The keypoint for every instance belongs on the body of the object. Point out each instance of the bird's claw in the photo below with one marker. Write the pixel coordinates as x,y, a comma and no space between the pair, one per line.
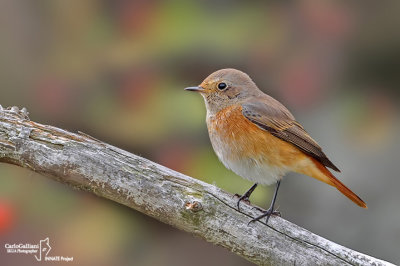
243,198
267,214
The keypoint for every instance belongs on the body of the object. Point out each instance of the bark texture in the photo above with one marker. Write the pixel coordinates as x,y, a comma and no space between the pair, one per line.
171,197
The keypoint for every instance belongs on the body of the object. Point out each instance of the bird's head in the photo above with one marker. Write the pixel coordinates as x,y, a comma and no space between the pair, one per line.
224,88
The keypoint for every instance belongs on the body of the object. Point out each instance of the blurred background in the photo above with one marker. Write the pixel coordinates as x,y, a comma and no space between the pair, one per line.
116,70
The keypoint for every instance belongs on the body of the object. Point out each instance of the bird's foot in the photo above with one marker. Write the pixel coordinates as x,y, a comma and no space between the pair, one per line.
266,213
244,198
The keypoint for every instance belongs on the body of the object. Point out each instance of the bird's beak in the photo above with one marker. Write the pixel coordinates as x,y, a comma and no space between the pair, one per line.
197,89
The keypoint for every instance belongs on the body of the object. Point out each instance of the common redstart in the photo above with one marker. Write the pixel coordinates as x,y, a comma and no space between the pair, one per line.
257,137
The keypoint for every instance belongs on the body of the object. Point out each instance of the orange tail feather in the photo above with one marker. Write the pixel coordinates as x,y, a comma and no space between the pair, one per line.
339,185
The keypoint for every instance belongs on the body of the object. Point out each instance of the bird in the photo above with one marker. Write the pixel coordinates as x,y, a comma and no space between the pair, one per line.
258,138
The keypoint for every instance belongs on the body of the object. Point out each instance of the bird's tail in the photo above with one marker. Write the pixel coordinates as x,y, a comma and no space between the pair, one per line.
326,176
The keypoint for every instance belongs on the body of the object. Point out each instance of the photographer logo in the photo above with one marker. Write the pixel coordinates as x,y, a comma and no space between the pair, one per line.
40,251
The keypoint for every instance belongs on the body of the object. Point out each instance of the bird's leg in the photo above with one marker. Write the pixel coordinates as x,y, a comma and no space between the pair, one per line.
270,210
246,195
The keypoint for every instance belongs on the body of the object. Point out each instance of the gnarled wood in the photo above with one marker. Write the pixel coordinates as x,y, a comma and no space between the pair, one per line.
171,197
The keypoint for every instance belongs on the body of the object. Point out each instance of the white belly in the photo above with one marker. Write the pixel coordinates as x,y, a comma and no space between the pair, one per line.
257,170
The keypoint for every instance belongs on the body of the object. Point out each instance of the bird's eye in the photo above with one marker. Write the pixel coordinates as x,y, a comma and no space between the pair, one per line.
222,86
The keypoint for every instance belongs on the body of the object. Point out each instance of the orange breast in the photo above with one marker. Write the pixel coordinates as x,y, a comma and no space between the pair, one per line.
229,129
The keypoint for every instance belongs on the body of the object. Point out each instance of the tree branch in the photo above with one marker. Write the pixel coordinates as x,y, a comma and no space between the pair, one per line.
171,197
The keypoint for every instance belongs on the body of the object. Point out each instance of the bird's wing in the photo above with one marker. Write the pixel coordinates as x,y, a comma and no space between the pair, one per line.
273,117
